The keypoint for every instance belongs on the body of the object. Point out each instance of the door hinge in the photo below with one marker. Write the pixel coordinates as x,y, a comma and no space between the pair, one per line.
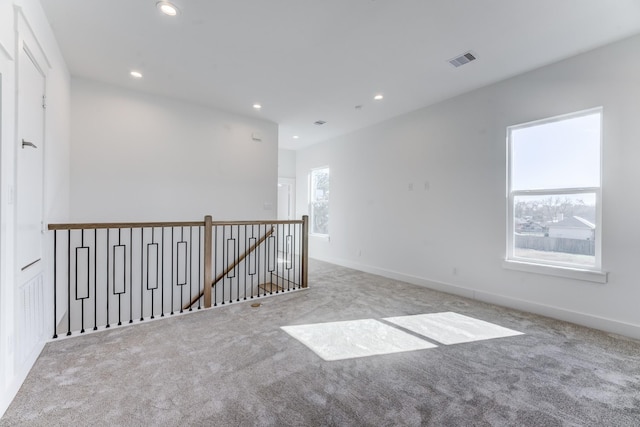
44,101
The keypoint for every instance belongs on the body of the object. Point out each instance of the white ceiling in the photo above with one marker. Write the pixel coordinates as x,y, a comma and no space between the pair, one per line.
309,60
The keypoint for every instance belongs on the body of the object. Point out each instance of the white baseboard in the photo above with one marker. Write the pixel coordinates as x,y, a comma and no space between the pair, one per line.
596,322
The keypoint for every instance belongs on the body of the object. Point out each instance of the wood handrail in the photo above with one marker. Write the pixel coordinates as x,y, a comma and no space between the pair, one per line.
229,268
100,225
258,222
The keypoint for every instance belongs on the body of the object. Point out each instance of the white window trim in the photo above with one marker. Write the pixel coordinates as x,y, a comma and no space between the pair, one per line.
309,201
512,262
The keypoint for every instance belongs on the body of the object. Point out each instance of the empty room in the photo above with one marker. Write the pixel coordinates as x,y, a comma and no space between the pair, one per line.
297,213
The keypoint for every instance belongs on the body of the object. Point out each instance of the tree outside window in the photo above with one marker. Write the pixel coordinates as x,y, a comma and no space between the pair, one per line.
319,201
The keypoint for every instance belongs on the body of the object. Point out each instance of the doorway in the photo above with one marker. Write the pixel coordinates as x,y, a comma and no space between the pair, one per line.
286,198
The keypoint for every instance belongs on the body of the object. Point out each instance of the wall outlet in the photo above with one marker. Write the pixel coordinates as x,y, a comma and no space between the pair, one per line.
411,186
454,271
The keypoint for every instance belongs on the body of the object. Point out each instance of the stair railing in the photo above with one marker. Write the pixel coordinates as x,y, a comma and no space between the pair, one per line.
231,267
114,273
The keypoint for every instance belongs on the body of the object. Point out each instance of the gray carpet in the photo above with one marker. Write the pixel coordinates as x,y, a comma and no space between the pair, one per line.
234,366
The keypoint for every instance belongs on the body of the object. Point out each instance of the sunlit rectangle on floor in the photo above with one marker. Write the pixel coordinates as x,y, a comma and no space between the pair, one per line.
355,338
451,328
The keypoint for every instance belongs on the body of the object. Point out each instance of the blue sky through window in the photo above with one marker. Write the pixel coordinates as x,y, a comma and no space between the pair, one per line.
557,154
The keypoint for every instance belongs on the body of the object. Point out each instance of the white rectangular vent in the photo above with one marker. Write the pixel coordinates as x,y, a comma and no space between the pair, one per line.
462,59
319,122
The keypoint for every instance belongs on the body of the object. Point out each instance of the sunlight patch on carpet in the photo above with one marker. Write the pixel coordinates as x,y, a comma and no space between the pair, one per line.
451,328
355,338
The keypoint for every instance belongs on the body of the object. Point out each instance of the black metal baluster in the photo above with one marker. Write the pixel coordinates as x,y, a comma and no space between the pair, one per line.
95,279
181,287
266,259
236,265
114,278
190,266
199,264
153,238
246,248
258,254
69,283
233,262
231,253
162,276
107,326
172,261
82,299
215,266
275,259
55,284
130,275
142,274
293,256
289,243
282,241
225,255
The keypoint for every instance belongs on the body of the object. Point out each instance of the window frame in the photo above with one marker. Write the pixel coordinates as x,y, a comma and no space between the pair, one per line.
591,273
311,200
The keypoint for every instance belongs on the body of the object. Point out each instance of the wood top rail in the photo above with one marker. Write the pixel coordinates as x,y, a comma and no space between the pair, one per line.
91,226
258,222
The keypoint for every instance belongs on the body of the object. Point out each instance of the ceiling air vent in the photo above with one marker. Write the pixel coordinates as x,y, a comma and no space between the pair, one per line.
465,58
319,122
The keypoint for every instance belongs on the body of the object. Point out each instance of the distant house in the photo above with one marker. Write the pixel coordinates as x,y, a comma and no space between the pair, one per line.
574,227
527,226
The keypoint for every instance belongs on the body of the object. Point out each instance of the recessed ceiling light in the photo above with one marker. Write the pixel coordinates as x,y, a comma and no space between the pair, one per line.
136,74
378,97
257,106
295,137
167,8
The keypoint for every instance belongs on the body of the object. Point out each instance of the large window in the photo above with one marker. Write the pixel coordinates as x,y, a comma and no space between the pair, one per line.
319,201
554,191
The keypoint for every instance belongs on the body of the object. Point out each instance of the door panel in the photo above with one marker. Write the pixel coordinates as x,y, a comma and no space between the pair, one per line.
29,185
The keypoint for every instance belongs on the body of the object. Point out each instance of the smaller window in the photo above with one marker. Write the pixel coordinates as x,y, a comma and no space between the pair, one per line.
554,191
319,201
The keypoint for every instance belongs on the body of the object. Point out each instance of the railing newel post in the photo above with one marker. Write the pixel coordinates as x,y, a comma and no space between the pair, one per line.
305,251
208,277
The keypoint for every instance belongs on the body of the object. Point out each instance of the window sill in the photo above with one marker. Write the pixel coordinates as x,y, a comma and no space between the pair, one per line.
551,270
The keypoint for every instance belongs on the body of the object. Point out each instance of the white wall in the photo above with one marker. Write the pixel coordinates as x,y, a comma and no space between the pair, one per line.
139,157
34,26
454,155
286,163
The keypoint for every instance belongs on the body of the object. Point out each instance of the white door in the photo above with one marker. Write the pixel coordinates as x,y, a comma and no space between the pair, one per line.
286,198
29,185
